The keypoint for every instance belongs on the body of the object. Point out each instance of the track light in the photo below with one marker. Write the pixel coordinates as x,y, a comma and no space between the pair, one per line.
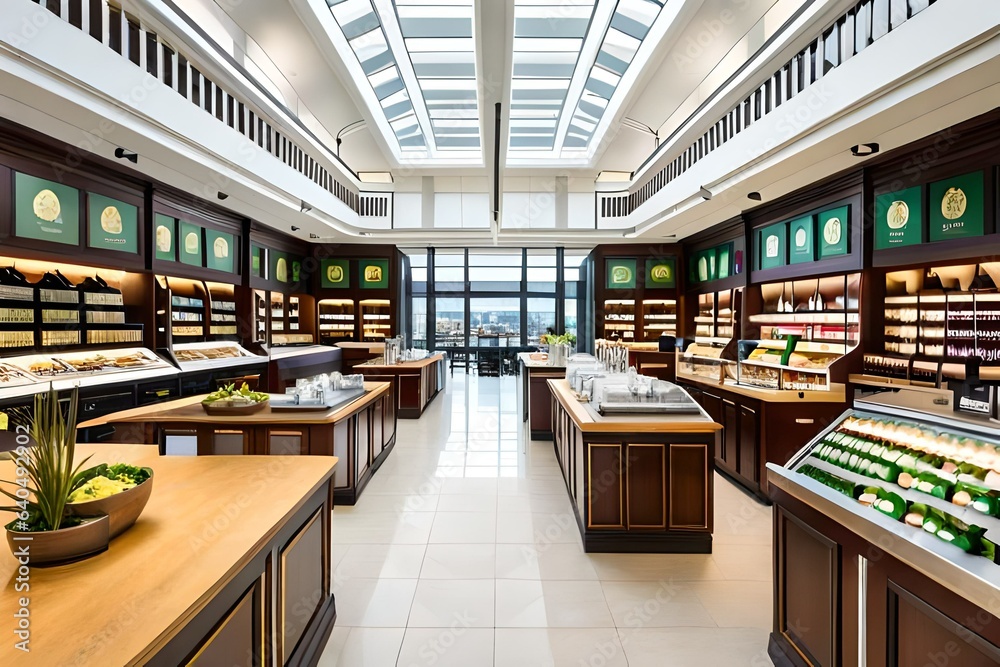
864,150
755,196
705,193
313,236
305,208
295,229
123,154
222,196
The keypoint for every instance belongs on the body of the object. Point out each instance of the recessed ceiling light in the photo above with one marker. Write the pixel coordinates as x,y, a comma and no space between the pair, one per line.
754,196
864,150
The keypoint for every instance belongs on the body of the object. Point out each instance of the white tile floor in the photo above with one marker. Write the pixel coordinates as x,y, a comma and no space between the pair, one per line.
463,552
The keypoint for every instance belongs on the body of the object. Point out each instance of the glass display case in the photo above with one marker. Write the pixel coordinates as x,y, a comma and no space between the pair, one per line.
806,327
659,316
935,476
292,319
213,354
705,362
336,320
619,318
222,300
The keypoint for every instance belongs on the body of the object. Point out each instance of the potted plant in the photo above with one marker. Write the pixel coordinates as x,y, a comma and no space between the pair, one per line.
42,529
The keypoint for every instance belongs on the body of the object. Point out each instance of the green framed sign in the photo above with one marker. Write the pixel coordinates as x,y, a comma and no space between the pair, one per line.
620,273
802,241
257,261
220,251
189,240
772,246
374,273
165,237
834,229
724,261
45,210
112,224
661,272
899,218
280,266
335,273
957,207
296,270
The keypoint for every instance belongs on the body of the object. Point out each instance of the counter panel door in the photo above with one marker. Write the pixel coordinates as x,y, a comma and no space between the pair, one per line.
362,445
303,584
647,486
285,440
730,435
228,442
749,445
605,492
690,487
239,633
807,589
342,448
378,428
578,460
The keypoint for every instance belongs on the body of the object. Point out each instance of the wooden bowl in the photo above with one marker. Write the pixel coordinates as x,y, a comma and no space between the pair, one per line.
122,508
228,410
65,545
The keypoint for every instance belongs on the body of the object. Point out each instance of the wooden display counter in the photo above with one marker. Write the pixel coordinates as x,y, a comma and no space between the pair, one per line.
638,483
228,564
536,397
761,426
361,434
416,383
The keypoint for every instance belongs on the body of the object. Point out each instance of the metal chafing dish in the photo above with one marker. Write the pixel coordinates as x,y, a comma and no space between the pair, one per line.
636,394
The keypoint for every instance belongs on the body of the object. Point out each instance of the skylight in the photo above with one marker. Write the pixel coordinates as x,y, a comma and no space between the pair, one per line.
570,59
419,57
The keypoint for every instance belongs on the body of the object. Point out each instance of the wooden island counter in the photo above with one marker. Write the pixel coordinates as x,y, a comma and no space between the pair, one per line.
537,399
638,483
228,564
415,383
361,433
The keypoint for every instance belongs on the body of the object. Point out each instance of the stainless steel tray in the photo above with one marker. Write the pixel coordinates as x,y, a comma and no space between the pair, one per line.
336,399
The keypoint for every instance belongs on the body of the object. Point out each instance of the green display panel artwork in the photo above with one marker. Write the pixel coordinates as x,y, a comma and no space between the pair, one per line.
165,237
281,269
957,207
374,273
802,242
704,263
220,250
335,273
661,272
834,229
257,261
189,238
112,224
724,253
771,246
899,218
46,211
296,270
620,273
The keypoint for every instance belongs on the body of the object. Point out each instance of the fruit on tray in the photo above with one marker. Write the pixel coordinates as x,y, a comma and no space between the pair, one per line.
230,395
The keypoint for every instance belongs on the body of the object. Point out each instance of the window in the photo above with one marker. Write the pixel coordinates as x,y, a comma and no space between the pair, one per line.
541,319
542,271
494,322
449,325
419,322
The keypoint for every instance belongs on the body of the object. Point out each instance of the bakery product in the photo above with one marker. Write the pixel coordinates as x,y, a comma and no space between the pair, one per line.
46,206
163,238
111,220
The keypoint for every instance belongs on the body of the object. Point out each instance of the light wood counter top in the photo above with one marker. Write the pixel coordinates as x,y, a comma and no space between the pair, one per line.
638,423
405,365
526,359
837,393
206,518
189,409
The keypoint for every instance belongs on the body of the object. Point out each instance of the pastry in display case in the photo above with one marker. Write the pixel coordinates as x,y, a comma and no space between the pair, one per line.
705,362
90,368
217,354
770,368
934,475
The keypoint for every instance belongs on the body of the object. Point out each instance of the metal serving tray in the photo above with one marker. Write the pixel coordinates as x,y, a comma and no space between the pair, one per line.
335,399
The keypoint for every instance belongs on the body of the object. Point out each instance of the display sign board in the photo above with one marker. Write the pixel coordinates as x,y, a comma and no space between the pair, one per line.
45,210
165,238
802,244
957,207
375,273
772,246
833,229
724,261
280,266
257,261
899,218
112,224
661,272
189,239
335,273
220,251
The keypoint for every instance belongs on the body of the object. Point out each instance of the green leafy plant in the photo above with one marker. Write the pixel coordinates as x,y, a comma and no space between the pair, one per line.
561,339
49,467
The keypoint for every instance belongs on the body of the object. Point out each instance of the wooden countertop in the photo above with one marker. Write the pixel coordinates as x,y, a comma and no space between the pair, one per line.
354,345
837,393
189,410
403,365
123,605
591,423
526,359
